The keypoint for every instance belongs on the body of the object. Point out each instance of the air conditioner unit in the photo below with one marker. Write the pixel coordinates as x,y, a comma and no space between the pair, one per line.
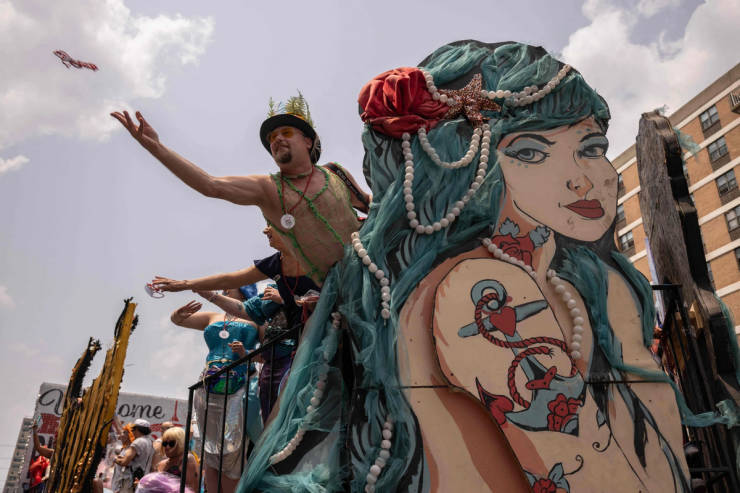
735,101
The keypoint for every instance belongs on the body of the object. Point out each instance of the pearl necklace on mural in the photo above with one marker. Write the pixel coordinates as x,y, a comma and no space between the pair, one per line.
318,393
501,255
529,94
408,192
574,348
460,163
383,456
436,95
385,290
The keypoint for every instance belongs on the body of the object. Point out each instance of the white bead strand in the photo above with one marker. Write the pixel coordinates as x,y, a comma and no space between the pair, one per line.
499,254
318,393
383,456
385,290
460,163
529,94
408,191
574,348
436,95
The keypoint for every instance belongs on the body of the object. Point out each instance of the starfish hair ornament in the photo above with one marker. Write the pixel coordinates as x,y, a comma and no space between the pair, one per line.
469,101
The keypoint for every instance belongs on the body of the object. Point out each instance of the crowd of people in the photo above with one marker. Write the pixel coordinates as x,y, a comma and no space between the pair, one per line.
133,461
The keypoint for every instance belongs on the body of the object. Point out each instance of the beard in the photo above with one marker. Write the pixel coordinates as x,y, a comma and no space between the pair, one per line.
283,156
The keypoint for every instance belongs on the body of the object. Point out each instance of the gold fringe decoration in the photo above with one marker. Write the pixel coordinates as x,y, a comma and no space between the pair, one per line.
85,422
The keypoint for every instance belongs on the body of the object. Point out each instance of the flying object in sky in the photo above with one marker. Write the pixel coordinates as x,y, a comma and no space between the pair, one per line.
68,60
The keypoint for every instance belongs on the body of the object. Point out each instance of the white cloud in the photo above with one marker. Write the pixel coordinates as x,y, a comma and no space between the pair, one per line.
39,96
636,78
6,301
13,163
649,8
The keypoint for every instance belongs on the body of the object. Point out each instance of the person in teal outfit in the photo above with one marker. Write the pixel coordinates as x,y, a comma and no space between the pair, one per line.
228,338
269,311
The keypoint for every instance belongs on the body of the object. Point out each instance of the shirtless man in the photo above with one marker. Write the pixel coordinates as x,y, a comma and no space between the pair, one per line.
312,207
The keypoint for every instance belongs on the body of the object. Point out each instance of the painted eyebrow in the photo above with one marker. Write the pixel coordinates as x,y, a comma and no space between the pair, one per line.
593,134
531,136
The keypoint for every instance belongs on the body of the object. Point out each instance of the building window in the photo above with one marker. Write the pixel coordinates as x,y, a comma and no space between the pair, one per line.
726,183
686,174
709,118
626,242
711,276
620,184
733,218
737,257
717,149
620,213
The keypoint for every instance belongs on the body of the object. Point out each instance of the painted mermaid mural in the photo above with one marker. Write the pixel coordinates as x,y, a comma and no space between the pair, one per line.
492,338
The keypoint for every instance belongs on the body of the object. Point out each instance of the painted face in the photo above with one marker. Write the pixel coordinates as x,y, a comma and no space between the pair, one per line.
561,178
286,143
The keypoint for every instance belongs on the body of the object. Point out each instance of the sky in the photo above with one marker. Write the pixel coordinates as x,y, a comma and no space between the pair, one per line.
87,217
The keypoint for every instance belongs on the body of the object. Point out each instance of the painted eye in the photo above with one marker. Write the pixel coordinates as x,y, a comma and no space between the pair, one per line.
528,155
593,151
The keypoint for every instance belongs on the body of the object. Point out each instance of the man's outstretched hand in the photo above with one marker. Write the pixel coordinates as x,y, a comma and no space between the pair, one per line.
165,284
143,132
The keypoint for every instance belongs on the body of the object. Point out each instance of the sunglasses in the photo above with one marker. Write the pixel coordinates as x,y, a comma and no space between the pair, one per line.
285,132
169,443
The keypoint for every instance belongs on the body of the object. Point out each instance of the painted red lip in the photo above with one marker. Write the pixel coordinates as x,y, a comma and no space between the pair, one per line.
590,209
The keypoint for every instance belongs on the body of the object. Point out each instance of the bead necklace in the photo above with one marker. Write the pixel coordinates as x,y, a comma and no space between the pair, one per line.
299,175
318,393
287,220
408,192
529,94
383,456
577,320
385,290
526,96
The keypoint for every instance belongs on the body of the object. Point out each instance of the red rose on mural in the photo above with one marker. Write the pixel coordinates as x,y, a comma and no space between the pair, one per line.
544,485
398,101
520,248
562,410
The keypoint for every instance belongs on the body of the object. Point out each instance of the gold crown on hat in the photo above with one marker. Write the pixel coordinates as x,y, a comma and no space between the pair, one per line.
295,105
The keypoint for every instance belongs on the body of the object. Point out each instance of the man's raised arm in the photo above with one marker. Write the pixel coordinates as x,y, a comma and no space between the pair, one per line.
242,190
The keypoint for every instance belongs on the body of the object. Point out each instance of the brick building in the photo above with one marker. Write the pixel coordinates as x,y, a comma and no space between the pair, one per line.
711,119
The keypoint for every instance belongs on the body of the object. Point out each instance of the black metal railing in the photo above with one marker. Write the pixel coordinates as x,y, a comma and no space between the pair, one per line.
267,347
708,450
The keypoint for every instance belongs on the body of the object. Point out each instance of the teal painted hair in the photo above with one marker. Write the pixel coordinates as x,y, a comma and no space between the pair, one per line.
407,258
